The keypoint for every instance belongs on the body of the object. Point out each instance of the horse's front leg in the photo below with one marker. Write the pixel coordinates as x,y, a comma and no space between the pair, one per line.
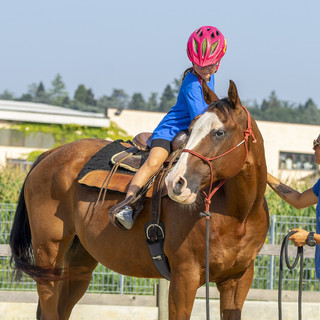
233,293
182,292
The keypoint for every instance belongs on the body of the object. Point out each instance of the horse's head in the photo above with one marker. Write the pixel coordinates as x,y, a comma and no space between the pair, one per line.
217,147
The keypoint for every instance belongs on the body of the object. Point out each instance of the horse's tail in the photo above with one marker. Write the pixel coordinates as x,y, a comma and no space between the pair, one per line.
20,239
22,258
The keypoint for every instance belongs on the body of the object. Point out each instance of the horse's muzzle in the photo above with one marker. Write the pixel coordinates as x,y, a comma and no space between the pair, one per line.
178,190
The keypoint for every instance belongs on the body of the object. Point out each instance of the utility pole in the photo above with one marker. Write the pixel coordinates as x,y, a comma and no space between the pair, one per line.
163,290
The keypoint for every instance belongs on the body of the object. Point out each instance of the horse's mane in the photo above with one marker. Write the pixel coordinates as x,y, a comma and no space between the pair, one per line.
224,106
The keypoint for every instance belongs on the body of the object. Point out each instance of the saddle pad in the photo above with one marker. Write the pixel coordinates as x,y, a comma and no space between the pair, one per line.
119,182
96,170
102,159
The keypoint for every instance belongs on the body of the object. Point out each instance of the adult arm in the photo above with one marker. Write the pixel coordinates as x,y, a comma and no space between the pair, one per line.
295,198
300,237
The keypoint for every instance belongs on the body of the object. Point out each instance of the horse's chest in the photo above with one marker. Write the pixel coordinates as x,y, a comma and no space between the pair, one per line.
233,259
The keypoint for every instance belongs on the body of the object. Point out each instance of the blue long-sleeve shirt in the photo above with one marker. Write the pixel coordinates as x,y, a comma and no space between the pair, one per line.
190,103
316,190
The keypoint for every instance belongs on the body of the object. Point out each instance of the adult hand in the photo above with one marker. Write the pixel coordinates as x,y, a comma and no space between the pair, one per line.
300,237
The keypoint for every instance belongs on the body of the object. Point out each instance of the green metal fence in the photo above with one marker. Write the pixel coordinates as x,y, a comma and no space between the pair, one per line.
107,281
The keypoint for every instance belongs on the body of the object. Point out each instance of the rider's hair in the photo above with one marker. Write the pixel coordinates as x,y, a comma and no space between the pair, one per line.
186,72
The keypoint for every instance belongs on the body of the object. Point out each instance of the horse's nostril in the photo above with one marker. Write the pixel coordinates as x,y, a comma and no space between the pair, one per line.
178,186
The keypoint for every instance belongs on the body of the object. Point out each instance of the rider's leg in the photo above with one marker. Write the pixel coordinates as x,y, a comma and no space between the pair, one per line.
153,163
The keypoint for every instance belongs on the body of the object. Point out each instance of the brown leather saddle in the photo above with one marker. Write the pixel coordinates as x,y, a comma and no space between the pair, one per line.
130,159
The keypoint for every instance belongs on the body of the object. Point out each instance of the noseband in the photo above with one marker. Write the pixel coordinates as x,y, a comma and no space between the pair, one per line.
247,133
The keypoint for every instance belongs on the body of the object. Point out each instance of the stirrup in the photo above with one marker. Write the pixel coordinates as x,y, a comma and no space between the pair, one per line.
130,201
124,217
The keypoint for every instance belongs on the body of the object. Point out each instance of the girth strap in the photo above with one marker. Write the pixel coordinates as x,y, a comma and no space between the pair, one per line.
154,230
156,248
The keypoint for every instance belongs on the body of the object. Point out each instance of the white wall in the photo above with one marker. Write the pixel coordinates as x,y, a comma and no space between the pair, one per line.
286,137
14,153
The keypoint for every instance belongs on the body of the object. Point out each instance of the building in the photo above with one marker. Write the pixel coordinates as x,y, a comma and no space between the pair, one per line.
15,145
288,146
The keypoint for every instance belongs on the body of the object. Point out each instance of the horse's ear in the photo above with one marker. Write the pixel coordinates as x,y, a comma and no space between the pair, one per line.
233,95
193,122
208,94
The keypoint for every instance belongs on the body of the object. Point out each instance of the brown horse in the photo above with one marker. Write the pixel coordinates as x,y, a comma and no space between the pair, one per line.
57,226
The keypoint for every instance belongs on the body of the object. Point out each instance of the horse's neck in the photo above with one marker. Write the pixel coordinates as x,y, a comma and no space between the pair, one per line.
247,188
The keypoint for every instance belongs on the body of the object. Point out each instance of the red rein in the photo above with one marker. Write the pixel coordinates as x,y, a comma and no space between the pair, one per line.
247,133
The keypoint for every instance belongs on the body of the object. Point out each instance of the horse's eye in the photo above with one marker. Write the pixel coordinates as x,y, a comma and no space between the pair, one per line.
219,134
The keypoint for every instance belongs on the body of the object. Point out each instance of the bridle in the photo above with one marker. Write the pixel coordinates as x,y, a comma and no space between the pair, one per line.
247,133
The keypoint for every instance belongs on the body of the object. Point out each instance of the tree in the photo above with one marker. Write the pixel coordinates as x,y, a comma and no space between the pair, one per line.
90,98
65,102
309,113
32,89
102,102
58,91
7,95
137,102
81,94
271,104
26,97
168,99
118,99
152,103
58,86
274,109
40,89
30,95
41,94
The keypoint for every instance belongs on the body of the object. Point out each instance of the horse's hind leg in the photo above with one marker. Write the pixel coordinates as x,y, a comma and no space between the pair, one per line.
57,298
233,293
46,254
71,291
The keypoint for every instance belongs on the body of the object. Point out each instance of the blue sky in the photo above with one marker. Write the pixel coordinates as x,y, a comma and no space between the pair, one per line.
140,46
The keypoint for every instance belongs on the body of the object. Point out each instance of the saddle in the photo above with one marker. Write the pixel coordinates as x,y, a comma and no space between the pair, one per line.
112,168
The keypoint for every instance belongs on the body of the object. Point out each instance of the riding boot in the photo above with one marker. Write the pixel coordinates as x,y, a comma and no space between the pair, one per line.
124,217
123,214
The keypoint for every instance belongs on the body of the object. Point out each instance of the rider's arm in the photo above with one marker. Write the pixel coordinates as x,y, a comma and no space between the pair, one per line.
293,197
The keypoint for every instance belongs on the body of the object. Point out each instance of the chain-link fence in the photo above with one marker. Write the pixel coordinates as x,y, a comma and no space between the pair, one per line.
267,267
107,281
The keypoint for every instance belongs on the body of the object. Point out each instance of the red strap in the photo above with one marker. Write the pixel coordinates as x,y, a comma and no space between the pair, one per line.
247,133
207,200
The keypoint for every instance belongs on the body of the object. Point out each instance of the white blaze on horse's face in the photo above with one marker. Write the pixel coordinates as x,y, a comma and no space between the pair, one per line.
176,183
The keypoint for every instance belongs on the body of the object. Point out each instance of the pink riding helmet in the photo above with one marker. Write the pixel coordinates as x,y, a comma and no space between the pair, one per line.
206,46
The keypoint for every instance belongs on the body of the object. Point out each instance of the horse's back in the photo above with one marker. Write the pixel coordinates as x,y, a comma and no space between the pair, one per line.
69,158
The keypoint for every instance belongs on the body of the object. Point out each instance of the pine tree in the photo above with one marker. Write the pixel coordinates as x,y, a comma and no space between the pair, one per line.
90,98
41,94
137,102
57,93
81,94
152,104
